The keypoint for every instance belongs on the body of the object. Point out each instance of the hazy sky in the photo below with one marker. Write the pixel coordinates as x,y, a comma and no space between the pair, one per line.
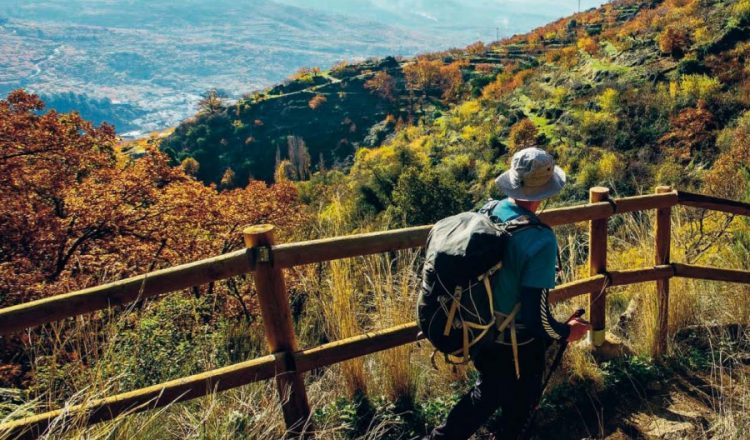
461,21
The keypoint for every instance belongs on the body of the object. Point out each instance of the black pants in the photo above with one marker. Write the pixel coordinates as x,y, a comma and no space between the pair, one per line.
497,387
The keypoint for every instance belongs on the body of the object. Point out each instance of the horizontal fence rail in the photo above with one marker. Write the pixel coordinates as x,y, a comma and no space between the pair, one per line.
314,251
711,273
713,203
125,291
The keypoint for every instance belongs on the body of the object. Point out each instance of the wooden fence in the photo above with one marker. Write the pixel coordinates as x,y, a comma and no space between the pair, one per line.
287,362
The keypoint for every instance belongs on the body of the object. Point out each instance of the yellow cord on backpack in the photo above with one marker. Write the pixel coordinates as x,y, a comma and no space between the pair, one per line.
452,312
514,345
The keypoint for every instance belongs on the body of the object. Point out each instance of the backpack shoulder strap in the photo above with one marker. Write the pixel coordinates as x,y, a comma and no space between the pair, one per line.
525,221
488,207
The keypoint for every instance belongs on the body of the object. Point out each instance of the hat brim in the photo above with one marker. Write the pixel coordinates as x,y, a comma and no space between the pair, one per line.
505,183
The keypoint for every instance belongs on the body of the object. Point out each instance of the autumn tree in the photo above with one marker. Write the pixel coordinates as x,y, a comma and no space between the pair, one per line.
305,74
227,179
76,213
212,102
432,75
730,175
316,101
190,166
691,135
522,135
588,45
422,74
608,100
674,41
383,84
505,83
477,48
451,81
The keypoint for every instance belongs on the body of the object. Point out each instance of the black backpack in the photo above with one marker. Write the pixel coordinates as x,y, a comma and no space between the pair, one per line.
455,309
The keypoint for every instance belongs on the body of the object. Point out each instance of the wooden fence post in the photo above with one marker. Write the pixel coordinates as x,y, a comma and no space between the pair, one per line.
277,321
662,243
598,265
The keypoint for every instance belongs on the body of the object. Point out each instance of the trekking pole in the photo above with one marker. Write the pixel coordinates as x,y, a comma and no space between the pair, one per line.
559,355
562,346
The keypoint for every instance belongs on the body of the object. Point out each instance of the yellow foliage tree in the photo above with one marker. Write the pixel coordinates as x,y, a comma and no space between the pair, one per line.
608,100
190,166
588,45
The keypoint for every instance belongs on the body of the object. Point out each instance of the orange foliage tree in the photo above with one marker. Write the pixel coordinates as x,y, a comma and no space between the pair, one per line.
522,135
75,213
674,41
588,44
505,83
691,136
730,174
316,101
431,75
477,48
383,84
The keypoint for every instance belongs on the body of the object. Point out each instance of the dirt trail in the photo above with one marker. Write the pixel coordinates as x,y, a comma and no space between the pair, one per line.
686,405
660,410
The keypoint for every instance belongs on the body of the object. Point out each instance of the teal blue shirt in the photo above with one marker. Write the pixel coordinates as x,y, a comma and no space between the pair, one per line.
529,260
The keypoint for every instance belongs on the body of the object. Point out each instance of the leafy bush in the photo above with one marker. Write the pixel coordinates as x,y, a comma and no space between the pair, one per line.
171,338
422,197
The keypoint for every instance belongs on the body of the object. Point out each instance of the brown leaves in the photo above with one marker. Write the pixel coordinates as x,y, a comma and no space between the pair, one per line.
674,41
432,75
730,175
73,213
316,101
522,135
691,136
383,84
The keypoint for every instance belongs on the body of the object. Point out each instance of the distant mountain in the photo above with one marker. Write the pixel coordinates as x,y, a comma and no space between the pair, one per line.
160,56
95,110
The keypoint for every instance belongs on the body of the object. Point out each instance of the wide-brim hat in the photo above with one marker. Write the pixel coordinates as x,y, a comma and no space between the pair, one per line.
532,176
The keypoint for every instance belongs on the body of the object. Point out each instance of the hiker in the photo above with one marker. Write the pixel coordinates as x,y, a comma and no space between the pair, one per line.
528,272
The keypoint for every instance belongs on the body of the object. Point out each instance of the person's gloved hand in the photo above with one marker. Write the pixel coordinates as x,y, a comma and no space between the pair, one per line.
578,329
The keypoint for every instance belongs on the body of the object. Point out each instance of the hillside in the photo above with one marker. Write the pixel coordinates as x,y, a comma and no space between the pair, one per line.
640,90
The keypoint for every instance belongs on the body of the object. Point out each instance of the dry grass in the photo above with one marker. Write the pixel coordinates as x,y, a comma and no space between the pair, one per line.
392,290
